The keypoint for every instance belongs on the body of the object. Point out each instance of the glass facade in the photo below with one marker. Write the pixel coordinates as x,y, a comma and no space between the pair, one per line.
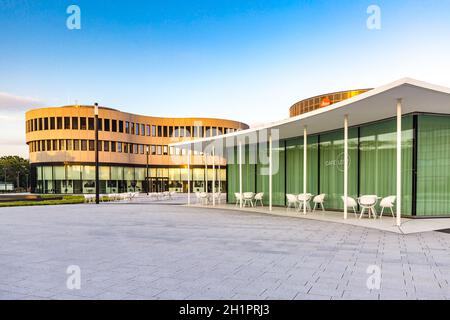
372,165
378,151
331,167
78,179
433,165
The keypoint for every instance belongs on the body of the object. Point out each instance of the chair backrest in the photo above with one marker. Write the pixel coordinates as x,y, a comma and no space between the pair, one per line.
291,197
388,201
203,194
249,195
237,195
304,197
320,198
368,200
350,201
259,196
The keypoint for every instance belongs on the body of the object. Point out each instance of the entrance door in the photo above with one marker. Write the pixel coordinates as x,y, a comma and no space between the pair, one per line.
159,184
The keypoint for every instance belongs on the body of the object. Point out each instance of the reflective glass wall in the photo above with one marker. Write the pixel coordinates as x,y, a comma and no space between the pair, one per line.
372,166
78,179
378,152
433,165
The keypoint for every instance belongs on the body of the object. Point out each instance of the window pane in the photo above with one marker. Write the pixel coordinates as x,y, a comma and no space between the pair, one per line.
91,123
67,123
59,123
83,123
107,127
88,172
331,167
74,123
83,145
433,162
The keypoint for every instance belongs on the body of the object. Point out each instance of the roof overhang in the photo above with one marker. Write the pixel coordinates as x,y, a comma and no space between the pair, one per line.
371,106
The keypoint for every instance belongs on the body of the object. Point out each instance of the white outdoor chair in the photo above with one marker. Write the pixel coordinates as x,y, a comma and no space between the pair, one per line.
197,196
302,199
216,196
351,203
259,197
387,202
368,202
318,201
88,198
238,197
291,200
204,198
248,198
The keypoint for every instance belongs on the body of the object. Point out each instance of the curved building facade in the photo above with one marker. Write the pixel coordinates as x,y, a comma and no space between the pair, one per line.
134,152
322,101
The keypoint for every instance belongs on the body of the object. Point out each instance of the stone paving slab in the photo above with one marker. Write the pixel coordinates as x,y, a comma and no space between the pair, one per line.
151,251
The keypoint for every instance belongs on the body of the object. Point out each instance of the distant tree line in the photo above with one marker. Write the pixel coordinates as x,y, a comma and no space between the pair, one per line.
17,171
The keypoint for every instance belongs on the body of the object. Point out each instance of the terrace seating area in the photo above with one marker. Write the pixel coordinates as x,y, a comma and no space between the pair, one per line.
366,203
130,196
207,198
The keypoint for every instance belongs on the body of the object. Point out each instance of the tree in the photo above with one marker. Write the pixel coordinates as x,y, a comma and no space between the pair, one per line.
17,170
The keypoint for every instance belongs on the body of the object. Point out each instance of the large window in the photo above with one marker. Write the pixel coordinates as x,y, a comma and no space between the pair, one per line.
248,171
378,165
294,165
332,167
433,165
262,173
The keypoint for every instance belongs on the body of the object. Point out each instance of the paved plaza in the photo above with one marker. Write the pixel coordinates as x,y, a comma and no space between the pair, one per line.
164,251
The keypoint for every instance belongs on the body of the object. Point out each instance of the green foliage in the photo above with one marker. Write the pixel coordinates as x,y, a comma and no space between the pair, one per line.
17,170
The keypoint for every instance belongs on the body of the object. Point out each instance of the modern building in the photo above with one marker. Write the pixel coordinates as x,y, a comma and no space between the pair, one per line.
392,140
61,143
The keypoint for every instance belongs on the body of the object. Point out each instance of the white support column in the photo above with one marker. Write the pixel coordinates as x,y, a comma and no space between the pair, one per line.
206,172
214,176
305,159
189,174
399,162
220,182
270,171
240,173
345,165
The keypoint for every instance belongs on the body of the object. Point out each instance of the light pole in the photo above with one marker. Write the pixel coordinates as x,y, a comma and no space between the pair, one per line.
97,183
147,150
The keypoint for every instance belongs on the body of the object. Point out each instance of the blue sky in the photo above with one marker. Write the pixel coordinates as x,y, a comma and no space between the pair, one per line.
244,60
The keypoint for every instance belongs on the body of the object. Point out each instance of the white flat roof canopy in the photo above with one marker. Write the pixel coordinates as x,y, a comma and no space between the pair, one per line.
371,106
